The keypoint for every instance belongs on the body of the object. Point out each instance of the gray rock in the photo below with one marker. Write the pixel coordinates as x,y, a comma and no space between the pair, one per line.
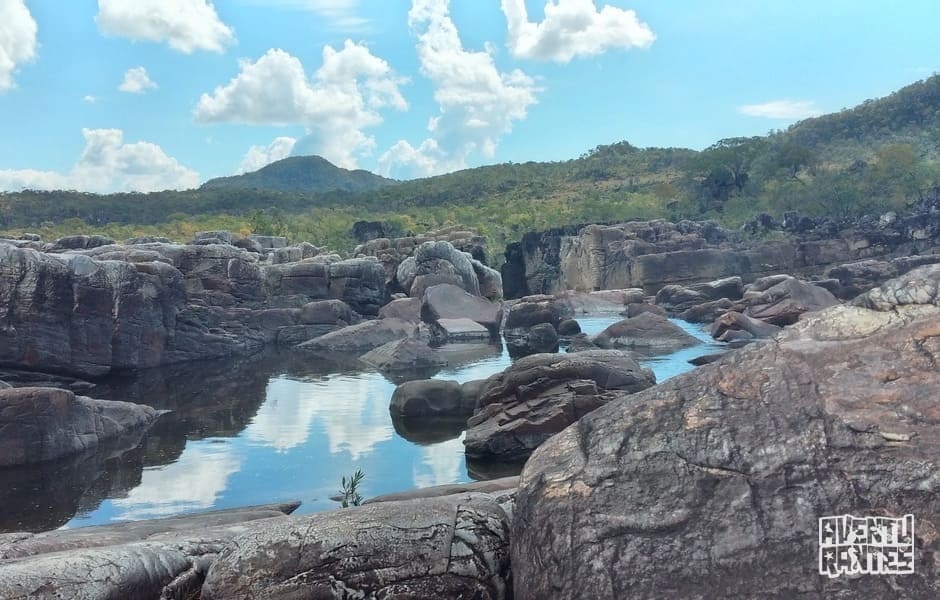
404,355
269,242
224,237
492,487
647,332
439,262
408,309
541,338
40,424
115,534
448,301
712,484
362,337
458,331
360,283
709,311
449,547
638,308
431,398
531,311
540,395
725,327
326,312
783,303
568,327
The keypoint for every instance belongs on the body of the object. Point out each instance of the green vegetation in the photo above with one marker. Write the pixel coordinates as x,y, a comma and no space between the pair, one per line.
881,155
349,493
301,174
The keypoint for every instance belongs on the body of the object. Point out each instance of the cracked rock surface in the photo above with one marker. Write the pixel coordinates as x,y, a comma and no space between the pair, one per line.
711,484
448,547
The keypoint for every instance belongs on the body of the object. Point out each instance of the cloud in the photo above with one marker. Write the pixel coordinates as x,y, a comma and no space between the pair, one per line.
478,103
782,109
345,96
17,39
186,25
341,14
259,156
136,81
90,99
107,164
193,482
573,28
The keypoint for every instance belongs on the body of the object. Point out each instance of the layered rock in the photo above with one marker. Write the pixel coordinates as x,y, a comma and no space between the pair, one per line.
90,311
540,395
652,254
447,301
712,483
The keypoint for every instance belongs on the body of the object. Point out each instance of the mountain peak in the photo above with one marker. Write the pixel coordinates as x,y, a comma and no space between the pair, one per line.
302,174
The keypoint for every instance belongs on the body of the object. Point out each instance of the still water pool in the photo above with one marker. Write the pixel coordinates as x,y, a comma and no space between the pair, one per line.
259,431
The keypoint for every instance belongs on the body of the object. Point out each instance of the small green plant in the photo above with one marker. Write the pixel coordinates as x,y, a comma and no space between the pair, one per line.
349,494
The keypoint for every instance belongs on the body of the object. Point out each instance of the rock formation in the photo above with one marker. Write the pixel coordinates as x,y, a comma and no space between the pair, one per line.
712,483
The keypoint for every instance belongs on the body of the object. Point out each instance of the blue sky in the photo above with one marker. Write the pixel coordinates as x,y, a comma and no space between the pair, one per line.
154,94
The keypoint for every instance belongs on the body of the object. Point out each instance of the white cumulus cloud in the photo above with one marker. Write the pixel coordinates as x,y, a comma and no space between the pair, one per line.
259,156
107,164
478,103
17,39
782,109
186,25
342,99
136,81
573,28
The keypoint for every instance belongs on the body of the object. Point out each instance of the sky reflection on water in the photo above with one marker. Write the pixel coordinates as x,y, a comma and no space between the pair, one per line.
309,431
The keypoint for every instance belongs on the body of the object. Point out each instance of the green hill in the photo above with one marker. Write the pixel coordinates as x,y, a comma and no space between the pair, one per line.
301,174
878,156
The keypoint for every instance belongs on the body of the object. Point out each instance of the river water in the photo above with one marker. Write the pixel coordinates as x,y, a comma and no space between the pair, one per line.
278,428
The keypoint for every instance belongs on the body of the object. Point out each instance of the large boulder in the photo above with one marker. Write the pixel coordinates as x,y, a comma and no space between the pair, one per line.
40,424
539,339
435,263
448,547
782,304
446,301
648,333
540,395
712,484
362,337
431,398
534,310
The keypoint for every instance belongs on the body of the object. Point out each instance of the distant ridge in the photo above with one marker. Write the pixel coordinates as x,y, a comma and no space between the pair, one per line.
301,174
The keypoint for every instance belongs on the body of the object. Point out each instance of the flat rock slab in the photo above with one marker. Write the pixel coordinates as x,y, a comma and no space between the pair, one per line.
18,545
